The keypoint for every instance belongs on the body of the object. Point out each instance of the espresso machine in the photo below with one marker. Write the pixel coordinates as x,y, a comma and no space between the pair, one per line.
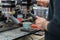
9,14
8,20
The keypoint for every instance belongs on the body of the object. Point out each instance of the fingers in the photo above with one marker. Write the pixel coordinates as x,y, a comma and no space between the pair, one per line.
40,22
37,17
46,1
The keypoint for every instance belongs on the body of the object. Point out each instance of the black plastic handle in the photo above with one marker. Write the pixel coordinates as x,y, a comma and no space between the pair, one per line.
34,16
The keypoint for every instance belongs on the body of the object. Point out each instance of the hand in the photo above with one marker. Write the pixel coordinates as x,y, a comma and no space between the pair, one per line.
45,1
41,23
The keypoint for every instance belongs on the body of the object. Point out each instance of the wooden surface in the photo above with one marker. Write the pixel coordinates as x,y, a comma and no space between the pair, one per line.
34,37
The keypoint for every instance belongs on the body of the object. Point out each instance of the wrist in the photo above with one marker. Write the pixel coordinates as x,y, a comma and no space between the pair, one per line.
46,24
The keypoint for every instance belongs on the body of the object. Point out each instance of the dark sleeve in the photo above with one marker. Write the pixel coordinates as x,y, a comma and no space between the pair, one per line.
51,11
54,25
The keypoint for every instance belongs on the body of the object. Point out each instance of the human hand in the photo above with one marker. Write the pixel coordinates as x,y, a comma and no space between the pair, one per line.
46,1
43,2
41,23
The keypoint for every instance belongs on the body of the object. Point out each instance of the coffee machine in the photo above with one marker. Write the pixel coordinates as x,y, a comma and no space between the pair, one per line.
7,15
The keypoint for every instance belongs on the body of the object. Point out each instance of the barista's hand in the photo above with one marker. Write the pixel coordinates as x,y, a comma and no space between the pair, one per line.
41,23
45,1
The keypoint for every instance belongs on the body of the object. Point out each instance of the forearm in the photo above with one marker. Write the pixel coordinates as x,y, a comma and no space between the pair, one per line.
54,26
47,22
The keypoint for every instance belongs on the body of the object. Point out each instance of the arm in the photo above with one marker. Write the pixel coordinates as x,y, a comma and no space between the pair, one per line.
54,25
51,11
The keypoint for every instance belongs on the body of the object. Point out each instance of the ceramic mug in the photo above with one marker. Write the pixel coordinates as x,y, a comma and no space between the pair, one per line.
26,25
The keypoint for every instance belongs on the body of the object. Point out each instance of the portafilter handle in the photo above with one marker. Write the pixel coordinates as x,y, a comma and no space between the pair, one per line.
32,15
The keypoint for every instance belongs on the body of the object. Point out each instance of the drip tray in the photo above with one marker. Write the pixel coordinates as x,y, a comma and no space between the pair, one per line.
7,27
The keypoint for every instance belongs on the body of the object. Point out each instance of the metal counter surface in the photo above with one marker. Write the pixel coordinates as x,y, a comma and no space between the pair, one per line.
12,34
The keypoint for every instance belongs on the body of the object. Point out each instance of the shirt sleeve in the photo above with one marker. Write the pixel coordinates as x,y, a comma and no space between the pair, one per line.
54,25
51,11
